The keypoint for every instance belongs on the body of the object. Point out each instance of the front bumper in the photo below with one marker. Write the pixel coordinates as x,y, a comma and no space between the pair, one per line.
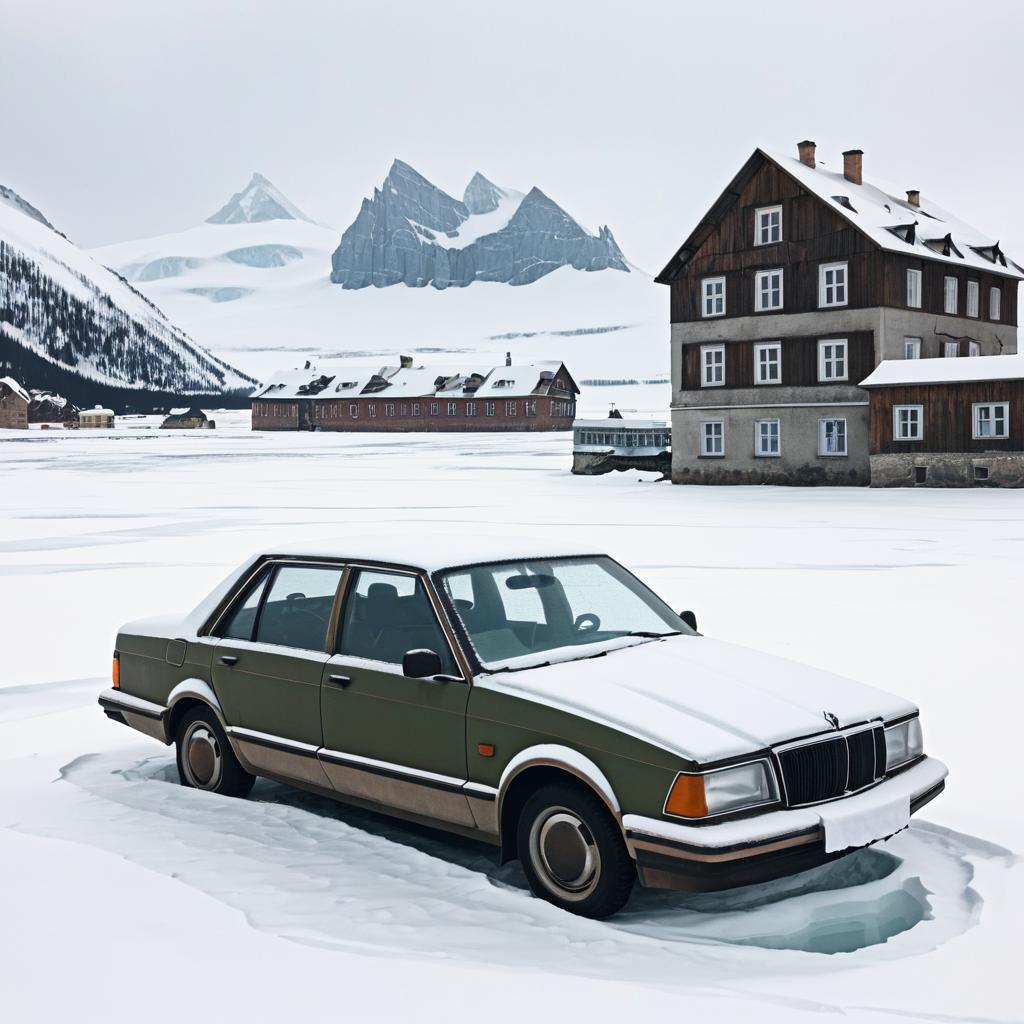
707,858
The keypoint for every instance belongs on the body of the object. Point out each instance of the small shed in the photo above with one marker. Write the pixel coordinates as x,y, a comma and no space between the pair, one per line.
97,417
602,446
187,419
14,401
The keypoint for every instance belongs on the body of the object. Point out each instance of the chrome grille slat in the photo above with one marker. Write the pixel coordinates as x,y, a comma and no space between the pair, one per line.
829,767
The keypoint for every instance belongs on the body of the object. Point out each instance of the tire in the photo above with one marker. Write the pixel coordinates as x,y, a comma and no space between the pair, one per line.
205,758
572,851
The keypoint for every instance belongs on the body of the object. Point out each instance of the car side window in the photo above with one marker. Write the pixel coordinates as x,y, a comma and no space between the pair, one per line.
297,609
242,618
388,614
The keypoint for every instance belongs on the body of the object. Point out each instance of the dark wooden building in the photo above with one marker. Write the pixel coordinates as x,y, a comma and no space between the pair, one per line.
14,403
535,397
798,281
947,423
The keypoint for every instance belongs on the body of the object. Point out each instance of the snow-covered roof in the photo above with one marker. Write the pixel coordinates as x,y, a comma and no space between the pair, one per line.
15,387
331,381
431,552
617,424
96,412
955,370
885,215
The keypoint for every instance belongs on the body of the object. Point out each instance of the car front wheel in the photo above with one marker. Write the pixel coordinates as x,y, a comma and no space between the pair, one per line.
572,851
205,758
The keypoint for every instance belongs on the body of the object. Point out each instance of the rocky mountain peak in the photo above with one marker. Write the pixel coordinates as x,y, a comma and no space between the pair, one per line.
481,195
260,200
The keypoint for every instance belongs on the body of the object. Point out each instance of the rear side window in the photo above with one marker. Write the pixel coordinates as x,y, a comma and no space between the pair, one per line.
297,608
240,622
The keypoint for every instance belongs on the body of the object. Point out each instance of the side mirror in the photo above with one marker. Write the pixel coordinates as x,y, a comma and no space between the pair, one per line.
420,664
690,619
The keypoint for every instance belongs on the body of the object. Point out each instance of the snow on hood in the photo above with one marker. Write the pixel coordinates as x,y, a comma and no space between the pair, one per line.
700,698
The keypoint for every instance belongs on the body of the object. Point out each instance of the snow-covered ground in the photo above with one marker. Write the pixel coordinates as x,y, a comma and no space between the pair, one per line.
125,896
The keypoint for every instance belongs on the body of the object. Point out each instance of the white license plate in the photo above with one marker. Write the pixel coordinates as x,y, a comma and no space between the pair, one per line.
861,820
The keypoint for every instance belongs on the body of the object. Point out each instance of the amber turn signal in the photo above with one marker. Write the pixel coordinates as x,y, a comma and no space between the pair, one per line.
485,749
686,798
115,671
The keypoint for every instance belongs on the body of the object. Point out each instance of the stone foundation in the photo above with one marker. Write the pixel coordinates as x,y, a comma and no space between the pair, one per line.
948,469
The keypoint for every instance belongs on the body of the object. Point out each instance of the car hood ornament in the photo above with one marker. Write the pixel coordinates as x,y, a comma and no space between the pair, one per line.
832,720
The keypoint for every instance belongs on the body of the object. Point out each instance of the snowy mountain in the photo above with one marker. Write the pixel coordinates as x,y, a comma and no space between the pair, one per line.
67,322
412,232
257,202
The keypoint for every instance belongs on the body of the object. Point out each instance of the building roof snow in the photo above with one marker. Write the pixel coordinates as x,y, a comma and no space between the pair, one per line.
15,387
620,424
96,412
956,370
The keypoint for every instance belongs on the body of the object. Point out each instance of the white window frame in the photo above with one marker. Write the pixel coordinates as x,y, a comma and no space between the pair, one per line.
973,298
917,423
709,299
975,420
823,286
911,348
762,214
950,295
705,451
974,348
913,289
995,302
821,437
707,379
825,362
761,275
767,346
759,450
950,349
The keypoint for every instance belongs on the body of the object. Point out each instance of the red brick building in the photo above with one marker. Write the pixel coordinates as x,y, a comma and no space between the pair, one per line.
535,396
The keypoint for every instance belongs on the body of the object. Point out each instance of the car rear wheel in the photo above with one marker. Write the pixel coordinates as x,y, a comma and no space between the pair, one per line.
205,758
572,851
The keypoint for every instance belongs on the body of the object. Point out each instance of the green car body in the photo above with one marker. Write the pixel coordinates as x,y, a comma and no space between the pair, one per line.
615,723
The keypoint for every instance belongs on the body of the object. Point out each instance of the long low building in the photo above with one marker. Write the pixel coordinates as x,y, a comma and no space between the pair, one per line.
534,396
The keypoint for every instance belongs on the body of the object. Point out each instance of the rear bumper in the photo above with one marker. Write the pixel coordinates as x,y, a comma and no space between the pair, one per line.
707,858
143,715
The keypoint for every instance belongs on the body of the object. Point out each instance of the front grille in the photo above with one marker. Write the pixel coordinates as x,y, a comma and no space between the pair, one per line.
830,767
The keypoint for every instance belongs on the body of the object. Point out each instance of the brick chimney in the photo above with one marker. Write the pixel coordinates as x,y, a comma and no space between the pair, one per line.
853,165
913,197
805,150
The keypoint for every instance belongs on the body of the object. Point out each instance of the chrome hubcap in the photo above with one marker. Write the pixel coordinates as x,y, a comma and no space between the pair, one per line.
202,758
565,853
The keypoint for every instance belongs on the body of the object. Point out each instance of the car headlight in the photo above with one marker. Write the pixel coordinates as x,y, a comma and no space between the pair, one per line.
903,743
727,789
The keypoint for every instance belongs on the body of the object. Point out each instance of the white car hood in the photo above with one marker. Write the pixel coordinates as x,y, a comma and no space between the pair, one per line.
700,698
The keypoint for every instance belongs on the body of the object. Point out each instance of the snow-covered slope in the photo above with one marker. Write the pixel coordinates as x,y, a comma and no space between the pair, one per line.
259,293
60,305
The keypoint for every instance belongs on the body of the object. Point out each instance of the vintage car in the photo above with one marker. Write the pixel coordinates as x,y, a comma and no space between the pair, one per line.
535,697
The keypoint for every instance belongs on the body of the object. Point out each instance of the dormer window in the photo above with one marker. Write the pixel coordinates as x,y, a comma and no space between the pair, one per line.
768,225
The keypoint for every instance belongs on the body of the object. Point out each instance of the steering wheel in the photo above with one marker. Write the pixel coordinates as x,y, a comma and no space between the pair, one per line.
588,622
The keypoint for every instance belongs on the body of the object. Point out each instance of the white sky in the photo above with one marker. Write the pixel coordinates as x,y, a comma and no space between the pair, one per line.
123,120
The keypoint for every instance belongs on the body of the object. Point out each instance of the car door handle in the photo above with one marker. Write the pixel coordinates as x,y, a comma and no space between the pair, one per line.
339,680
229,659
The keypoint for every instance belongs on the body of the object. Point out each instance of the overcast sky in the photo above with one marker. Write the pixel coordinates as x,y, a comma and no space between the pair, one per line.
124,119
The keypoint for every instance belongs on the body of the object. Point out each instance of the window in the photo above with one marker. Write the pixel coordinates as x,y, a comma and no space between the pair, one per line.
713,296
908,422
471,408
972,298
768,363
529,407
389,408
920,474
914,289
488,408
372,408
995,303
767,290
991,421
435,408
950,294
832,437
511,408
453,408
298,606
973,348
832,359
240,622
712,437
769,225
832,284
388,614
766,438
415,408
911,348
981,473
712,360
950,349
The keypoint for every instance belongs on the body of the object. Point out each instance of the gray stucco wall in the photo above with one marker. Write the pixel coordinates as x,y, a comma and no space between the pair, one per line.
897,324
947,469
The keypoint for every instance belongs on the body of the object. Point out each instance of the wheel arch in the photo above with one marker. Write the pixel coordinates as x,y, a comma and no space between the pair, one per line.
534,767
188,694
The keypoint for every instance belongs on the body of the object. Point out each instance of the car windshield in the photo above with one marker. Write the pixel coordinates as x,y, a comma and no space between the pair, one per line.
519,610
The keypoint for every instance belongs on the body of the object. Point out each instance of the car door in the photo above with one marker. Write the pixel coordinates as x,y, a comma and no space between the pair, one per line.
268,667
396,741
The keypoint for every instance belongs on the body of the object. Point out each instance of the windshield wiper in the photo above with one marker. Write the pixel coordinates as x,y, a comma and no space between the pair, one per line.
649,635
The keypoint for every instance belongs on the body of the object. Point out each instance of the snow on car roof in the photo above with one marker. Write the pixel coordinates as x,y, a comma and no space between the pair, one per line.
958,369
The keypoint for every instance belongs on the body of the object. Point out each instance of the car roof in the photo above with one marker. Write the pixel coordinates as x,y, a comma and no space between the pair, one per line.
430,552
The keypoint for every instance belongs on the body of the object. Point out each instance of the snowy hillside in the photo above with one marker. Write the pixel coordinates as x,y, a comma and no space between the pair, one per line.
258,293
61,308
